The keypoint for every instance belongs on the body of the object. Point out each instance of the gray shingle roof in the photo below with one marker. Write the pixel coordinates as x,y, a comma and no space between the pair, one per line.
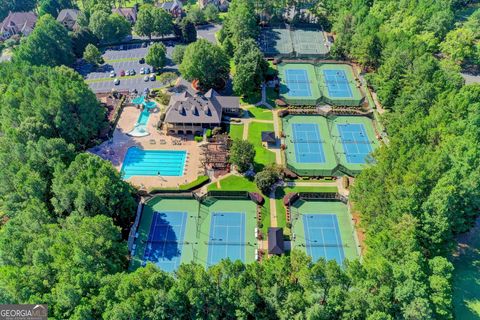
65,13
187,108
20,20
275,241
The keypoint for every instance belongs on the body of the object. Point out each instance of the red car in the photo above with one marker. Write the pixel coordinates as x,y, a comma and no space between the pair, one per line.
122,73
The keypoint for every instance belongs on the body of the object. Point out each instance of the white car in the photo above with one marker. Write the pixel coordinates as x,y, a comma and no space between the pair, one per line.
145,78
116,82
112,74
142,71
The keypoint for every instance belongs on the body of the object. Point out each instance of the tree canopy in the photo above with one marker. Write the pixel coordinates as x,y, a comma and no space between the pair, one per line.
157,55
242,153
206,62
48,44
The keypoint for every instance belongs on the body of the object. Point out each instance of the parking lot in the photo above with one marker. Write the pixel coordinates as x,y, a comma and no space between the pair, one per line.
123,58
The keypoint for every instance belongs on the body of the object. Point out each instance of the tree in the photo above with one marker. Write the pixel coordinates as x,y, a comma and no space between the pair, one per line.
251,68
92,55
145,24
266,178
178,53
206,62
188,30
48,44
53,103
459,45
80,39
242,154
163,24
210,13
196,16
109,27
157,55
91,186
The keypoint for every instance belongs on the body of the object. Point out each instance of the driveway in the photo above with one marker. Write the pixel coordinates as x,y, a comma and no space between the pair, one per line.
208,32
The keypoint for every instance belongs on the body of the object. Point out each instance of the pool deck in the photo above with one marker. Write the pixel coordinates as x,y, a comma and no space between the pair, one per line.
116,149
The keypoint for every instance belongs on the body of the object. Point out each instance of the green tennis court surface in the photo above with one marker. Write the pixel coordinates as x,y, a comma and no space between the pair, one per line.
282,42
178,230
317,146
324,230
313,84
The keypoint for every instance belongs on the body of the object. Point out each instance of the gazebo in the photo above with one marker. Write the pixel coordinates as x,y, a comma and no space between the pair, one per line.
275,241
268,137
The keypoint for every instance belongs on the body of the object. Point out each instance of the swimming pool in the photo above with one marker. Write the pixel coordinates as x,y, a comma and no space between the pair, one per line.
139,162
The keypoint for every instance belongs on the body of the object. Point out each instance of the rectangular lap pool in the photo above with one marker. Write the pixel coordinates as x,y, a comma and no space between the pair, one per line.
139,162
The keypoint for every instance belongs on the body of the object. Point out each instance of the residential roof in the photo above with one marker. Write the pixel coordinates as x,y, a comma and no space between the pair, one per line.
68,13
268,136
20,20
170,5
275,241
188,108
127,13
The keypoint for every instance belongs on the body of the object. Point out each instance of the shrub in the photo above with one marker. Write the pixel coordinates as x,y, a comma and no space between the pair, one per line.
162,98
209,133
198,138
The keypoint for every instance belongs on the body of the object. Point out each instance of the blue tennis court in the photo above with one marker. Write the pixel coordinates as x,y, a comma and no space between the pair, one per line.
165,240
337,84
297,83
227,237
322,237
355,142
308,143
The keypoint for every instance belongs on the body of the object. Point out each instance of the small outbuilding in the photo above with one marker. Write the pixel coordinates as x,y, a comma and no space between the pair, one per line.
268,137
275,241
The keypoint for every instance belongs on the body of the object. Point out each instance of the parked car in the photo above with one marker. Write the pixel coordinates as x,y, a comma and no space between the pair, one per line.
144,45
132,72
122,73
116,82
112,74
142,71
147,70
141,61
152,77
127,73
145,78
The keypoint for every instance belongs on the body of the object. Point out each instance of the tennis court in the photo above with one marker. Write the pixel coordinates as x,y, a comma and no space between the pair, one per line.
356,144
227,237
308,143
164,244
298,83
322,237
337,84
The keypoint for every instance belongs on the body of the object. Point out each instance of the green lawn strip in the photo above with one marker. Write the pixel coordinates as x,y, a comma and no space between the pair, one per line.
235,131
260,112
238,183
121,60
281,192
263,156
466,283
137,76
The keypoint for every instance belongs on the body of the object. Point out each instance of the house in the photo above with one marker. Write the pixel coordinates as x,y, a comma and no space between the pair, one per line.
222,5
21,23
68,17
128,13
191,114
275,241
175,8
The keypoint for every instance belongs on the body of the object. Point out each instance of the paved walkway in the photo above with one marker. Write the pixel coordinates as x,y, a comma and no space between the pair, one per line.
264,102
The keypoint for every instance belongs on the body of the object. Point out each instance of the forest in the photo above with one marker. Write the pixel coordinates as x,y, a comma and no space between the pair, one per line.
64,213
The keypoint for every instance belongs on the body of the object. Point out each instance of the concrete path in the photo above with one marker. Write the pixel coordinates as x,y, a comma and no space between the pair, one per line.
264,102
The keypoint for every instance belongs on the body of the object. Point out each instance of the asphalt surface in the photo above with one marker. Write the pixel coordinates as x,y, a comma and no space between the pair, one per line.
126,57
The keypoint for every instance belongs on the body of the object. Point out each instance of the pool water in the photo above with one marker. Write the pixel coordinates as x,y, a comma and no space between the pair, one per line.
138,162
143,118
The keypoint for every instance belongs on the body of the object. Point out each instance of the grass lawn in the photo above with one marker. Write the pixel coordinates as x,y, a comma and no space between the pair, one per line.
235,131
263,156
238,183
281,192
260,113
466,278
